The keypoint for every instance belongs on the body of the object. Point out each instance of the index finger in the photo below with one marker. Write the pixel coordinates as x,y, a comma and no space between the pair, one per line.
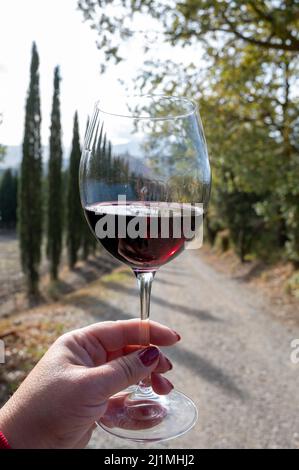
114,335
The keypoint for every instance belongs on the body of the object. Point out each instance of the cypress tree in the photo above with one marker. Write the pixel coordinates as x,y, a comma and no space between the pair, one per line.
8,199
89,242
55,207
30,192
74,209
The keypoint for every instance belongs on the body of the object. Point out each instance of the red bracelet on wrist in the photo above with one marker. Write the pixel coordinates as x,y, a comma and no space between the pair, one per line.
3,442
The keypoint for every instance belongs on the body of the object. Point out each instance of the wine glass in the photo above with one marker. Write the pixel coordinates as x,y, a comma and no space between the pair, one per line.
145,184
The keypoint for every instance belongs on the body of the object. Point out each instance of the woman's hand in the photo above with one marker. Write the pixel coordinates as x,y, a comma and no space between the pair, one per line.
69,389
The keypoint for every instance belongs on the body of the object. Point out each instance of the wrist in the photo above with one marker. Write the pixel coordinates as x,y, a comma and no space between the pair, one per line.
7,427
18,433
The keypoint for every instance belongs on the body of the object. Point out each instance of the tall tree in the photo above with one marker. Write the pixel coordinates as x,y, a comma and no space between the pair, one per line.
30,192
8,199
74,209
55,203
89,242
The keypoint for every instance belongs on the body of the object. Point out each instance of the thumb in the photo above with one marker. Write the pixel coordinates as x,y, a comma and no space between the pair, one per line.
116,375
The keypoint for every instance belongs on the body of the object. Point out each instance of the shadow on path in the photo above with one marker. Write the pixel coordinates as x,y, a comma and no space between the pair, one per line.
95,267
176,272
167,283
206,370
100,263
203,315
254,271
87,274
98,308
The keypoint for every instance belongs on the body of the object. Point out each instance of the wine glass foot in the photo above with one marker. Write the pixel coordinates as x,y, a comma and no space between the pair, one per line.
161,419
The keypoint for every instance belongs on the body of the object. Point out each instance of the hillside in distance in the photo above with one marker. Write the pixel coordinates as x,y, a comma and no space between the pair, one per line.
13,157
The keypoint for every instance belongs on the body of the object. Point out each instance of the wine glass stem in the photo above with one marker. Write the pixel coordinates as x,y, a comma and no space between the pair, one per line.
145,280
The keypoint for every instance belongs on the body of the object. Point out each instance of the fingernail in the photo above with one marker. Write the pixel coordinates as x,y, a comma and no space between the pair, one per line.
177,335
169,363
168,383
149,355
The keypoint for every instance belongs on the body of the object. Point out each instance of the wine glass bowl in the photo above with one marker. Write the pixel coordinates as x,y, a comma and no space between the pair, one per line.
145,184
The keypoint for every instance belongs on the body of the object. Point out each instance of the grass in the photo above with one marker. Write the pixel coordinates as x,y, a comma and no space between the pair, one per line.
27,338
292,285
118,275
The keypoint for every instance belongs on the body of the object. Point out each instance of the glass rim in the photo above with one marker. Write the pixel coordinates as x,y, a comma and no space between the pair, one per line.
187,101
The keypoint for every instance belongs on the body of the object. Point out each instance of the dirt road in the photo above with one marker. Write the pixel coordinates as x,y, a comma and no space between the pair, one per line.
233,360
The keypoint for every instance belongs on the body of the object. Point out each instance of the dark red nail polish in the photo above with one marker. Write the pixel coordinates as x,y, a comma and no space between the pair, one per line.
169,363
149,355
177,335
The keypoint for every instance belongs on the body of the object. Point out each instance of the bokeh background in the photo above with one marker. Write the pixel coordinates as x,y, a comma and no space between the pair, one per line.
236,301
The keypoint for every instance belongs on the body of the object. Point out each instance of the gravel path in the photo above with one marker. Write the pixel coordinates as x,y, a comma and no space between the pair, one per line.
233,360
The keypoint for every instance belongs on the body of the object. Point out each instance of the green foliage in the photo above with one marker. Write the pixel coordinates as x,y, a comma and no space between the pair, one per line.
8,200
30,184
55,196
292,286
74,209
2,152
251,125
245,227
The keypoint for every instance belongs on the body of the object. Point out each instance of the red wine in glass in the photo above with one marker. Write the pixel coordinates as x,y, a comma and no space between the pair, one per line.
143,235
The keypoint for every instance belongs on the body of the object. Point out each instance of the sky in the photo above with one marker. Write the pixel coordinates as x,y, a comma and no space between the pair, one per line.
63,39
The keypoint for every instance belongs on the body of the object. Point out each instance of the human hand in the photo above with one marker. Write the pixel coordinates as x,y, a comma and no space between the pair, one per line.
69,389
